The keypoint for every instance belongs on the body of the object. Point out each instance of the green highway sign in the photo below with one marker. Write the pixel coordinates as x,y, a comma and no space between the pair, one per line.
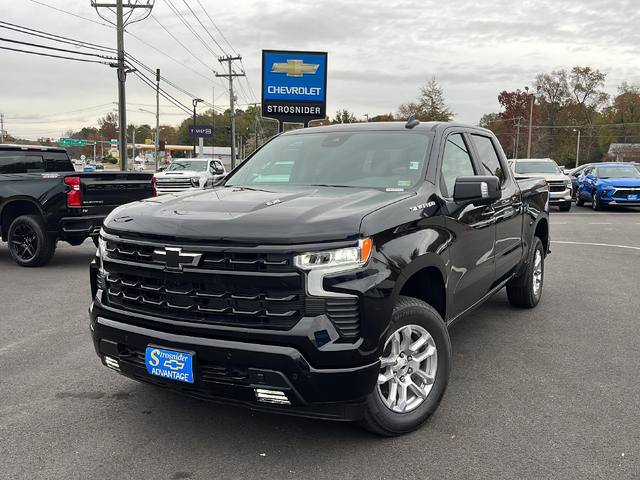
72,142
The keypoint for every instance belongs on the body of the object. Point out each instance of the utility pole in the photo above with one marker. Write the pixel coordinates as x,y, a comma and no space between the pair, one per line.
231,75
1,127
517,140
578,149
195,102
256,127
157,117
122,69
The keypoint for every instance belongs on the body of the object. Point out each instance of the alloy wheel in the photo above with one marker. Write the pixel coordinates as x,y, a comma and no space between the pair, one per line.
537,273
408,369
24,242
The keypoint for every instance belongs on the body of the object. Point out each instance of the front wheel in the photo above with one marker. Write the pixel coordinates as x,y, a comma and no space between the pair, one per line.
579,201
528,294
414,370
596,204
565,207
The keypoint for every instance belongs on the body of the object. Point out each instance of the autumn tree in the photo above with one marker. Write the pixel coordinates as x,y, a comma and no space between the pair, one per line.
430,106
109,126
344,116
386,117
621,120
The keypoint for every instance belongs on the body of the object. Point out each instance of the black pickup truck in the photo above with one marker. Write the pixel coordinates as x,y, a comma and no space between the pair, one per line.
43,200
321,276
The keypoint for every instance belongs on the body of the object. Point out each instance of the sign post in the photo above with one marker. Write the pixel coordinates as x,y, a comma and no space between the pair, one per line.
294,86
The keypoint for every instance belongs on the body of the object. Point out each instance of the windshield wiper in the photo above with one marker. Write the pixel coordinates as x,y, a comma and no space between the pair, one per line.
325,185
247,188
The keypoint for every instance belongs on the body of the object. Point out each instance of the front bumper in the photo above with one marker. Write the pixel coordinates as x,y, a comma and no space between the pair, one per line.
230,371
556,198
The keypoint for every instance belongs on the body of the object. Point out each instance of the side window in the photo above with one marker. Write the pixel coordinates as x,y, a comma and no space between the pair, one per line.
57,162
488,157
456,162
21,164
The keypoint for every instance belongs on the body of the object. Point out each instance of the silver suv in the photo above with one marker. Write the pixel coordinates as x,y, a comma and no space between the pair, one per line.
560,189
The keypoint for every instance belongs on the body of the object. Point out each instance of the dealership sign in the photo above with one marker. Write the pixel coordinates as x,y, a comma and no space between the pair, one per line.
294,85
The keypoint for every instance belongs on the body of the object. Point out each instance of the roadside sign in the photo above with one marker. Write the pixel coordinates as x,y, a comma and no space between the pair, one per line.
204,131
294,85
73,142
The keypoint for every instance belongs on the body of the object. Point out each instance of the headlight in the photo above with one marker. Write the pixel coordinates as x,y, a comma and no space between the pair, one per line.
195,181
567,182
343,257
101,252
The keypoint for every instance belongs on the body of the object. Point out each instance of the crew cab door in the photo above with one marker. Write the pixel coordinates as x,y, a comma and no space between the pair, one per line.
472,267
507,212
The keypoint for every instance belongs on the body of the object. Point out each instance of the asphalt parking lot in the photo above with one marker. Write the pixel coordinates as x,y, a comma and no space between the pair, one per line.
552,392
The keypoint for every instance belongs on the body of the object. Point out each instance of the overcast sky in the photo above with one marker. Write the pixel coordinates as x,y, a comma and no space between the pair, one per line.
380,52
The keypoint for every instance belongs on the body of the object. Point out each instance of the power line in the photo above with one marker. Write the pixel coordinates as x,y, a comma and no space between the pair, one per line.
72,14
189,27
54,56
54,38
205,29
56,49
219,31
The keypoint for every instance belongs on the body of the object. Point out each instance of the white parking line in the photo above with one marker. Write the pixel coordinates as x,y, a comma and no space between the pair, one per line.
558,223
596,244
599,223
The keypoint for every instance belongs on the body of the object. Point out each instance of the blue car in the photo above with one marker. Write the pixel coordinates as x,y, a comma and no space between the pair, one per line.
609,184
88,168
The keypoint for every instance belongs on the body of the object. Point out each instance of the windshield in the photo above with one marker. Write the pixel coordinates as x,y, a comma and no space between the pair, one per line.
618,172
191,165
537,167
343,159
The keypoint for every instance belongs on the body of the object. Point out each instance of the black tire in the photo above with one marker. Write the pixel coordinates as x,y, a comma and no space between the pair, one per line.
596,204
525,296
29,243
565,207
378,417
579,201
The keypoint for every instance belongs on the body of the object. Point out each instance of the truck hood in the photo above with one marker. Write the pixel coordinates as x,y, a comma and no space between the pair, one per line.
549,177
179,174
284,215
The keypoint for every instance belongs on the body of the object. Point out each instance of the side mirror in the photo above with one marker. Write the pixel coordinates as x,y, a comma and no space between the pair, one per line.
479,190
590,176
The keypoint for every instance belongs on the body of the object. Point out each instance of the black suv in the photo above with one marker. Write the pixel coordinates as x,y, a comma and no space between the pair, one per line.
319,279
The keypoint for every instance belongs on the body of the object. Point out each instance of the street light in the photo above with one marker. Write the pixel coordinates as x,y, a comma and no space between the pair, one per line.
157,139
578,149
195,102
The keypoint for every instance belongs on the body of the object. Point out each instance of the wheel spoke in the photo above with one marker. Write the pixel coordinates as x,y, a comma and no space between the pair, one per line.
422,356
415,346
388,361
428,379
402,397
393,394
420,392
406,338
385,377
395,344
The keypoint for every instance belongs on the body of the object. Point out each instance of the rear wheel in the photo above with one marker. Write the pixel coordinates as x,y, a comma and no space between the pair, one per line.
29,243
414,370
596,203
528,294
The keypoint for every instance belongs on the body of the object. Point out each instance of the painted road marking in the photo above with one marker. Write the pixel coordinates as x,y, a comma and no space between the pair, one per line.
558,223
596,244
601,223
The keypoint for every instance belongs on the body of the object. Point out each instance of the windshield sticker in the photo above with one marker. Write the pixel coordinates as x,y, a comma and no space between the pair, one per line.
394,189
414,165
404,183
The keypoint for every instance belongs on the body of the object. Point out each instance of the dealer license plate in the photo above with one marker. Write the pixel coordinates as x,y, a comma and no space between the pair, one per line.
632,197
169,364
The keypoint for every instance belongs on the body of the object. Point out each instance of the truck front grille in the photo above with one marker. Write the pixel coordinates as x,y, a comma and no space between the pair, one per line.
178,185
215,301
557,186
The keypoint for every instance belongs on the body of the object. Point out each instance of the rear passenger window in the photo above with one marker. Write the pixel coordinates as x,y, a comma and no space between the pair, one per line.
21,164
488,157
57,162
456,162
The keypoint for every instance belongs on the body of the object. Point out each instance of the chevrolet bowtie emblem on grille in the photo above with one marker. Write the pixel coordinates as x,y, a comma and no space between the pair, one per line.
295,68
174,259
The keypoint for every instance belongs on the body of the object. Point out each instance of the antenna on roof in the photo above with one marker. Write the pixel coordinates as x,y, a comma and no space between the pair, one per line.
412,122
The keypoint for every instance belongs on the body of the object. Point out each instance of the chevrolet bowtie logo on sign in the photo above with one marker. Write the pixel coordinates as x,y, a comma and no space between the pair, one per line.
295,68
174,259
